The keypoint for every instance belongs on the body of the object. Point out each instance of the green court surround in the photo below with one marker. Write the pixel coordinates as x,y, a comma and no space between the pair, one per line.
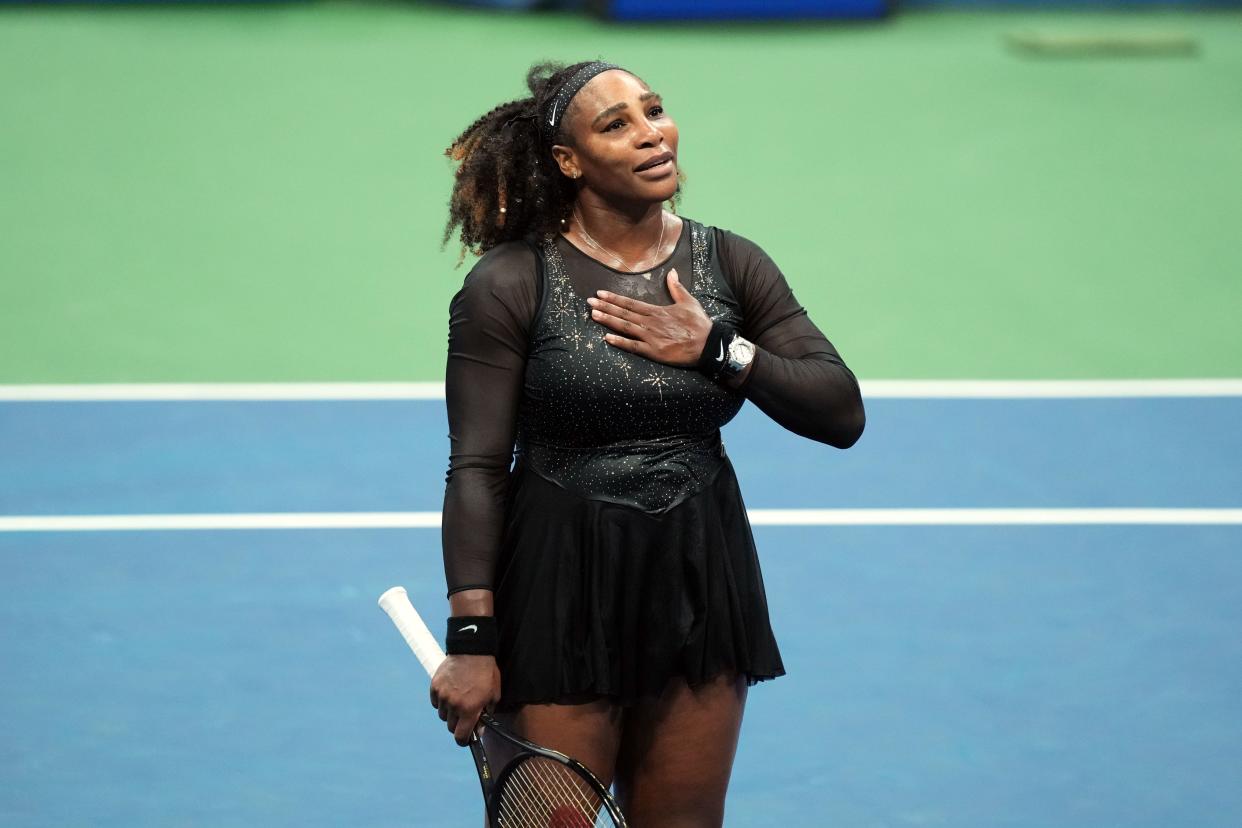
257,193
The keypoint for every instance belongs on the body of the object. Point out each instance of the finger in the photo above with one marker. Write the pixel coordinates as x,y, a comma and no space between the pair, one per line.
435,698
444,711
618,324
453,721
465,726
634,346
613,309
635,305
675,287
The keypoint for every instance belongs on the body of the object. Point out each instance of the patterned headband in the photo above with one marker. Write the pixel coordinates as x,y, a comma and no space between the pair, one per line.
550,120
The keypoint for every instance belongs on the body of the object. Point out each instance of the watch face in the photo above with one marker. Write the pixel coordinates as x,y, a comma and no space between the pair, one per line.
741,350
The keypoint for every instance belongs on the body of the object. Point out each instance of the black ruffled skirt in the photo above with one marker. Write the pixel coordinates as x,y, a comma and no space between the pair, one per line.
596,599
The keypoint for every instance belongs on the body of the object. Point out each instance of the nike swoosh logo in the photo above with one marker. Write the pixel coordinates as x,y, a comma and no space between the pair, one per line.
721,357
552,120
471,627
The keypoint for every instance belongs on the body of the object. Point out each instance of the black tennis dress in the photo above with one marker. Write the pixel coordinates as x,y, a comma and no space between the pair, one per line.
589,487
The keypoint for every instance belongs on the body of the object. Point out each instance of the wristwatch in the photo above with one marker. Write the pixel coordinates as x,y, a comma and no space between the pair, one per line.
740,353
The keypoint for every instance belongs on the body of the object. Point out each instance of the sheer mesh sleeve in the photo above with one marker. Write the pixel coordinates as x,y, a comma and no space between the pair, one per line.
489,324
797,377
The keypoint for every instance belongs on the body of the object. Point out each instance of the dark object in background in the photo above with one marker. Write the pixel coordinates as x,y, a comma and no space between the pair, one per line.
738,9
522,5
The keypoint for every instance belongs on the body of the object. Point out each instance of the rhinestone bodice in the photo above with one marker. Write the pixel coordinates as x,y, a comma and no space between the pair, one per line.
612,425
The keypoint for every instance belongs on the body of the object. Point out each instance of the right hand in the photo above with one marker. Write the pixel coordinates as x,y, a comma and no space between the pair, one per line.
463,686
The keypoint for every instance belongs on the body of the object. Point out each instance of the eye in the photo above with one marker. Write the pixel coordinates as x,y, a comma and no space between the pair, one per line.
655,112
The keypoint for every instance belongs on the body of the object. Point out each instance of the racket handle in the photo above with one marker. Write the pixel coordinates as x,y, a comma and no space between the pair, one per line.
397,604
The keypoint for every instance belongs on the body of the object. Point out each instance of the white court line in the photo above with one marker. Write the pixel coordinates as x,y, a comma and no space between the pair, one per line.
758,517
212,521
871,389
1050,389
988,517
193,391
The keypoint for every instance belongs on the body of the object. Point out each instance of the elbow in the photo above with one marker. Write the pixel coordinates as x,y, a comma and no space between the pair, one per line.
847,426
849,431
487,474
848,416
837,429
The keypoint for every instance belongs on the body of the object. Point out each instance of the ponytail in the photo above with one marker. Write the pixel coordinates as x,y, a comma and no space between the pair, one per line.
507,184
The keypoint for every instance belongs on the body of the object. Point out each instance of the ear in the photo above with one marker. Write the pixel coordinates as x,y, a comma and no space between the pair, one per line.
566,160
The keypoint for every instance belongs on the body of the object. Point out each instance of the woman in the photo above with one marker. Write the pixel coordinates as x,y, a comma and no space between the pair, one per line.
605,593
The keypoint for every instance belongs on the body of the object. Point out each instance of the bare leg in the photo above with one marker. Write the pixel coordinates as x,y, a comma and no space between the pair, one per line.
677,753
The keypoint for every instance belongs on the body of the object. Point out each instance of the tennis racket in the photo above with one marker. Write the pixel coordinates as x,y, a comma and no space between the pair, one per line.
539,787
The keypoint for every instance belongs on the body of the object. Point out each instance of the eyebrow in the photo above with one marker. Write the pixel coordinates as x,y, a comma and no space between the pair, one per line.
615,108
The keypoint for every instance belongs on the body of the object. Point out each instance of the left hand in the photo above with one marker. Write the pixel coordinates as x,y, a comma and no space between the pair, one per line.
673,334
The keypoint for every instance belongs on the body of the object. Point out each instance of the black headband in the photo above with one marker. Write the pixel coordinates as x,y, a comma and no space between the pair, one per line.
550,118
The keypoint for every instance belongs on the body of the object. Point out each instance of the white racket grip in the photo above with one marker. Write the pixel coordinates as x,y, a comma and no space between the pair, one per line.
397,604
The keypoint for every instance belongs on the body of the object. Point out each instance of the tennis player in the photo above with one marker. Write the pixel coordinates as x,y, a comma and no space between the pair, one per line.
605,593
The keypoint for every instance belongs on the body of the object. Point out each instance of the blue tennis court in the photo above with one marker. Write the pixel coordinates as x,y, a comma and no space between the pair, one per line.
969,675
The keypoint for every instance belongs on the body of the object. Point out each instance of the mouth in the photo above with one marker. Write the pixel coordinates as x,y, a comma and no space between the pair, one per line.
655,161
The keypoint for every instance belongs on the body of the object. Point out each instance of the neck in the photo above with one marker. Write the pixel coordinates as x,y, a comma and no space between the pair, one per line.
629,230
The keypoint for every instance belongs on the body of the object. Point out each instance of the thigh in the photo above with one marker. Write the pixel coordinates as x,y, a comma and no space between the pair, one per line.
677,754
590,733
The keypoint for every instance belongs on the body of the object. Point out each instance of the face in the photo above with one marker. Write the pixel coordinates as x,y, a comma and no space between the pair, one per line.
618,127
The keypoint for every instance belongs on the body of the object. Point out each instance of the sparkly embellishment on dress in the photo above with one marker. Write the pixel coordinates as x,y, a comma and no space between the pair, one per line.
611,425
659,383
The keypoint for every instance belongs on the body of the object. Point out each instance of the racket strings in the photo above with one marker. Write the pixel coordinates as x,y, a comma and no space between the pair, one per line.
529,800
544,796
541,793
568,784
516,810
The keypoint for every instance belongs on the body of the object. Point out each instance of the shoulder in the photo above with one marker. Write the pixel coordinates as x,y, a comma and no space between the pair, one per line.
506,262
507,266
729,244
736,245
739,256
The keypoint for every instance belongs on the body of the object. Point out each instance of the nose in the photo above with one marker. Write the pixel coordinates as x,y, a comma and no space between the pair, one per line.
651,136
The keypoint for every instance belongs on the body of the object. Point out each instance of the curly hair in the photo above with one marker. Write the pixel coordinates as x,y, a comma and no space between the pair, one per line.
507,184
